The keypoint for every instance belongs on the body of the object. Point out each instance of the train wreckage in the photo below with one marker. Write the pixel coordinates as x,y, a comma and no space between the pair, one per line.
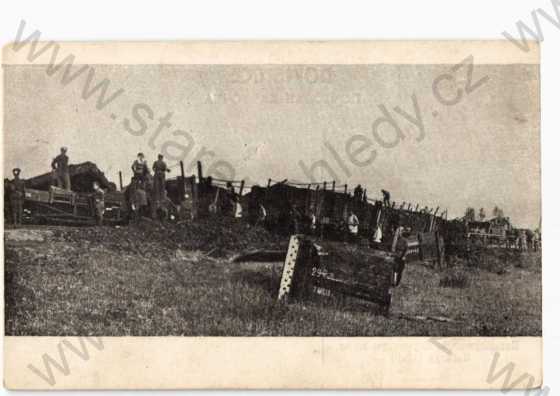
320,260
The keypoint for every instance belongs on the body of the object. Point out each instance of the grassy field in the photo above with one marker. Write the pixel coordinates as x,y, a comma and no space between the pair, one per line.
118,282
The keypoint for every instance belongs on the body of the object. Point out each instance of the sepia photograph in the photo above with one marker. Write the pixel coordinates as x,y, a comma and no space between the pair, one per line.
385,199
343,214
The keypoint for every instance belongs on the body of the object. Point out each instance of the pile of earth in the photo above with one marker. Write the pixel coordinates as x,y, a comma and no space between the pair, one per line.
215,236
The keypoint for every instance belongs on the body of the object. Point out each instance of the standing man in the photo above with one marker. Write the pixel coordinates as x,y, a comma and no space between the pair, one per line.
17,193
353,224
295,219
139,198
140,167
230,189
358,192
60,170
99,202
386,197
401,248
159,168
523,241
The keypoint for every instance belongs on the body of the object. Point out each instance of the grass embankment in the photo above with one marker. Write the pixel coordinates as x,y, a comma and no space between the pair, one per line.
149,281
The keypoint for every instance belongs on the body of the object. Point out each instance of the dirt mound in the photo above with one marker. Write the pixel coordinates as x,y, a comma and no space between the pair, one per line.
218,237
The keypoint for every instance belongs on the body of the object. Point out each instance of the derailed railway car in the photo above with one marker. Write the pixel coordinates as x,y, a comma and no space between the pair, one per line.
44,203
68,207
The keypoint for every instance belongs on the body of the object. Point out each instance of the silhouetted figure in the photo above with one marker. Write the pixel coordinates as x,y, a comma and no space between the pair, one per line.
358,192
159,168
386,197
16,195
400,261
295,219
61,172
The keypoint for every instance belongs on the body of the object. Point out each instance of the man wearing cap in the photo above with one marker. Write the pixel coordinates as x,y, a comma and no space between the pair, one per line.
159,168
140,167
358,193
60,170
17,193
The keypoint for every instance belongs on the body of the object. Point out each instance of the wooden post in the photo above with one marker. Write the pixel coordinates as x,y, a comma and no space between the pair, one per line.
416,208
316,203
439,250
393,206
378,217
394,242
269,181
183,187
307,199
241,187
120,180
199,168
182,168
345,188
409,206
333,184
325,185
435,213
194,192
365,195
431,225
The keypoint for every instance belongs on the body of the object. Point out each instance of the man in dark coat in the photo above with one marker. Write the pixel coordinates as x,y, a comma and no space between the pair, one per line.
138,197
17,194
358,192
159,168
140,167
386,197
400,261
61,172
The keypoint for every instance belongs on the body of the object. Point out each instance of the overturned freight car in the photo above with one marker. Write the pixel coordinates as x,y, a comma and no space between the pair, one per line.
45,203
333,269
326,209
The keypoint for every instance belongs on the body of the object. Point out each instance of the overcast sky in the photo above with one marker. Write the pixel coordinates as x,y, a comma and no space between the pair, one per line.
277,121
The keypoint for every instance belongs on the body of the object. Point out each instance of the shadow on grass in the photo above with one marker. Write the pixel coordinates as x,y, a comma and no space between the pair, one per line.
268,281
